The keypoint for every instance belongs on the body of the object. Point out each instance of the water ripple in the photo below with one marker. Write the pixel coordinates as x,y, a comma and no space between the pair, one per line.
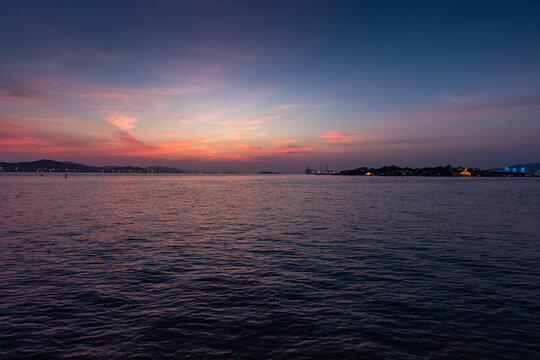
281,267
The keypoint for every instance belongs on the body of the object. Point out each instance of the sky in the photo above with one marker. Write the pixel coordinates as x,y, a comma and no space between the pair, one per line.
270,85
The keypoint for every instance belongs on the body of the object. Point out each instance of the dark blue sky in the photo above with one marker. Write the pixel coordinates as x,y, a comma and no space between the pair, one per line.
255,85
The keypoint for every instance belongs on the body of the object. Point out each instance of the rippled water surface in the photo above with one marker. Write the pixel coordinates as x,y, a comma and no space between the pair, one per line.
282,267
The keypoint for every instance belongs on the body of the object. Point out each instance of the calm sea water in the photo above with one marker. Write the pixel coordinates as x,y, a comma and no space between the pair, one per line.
282,267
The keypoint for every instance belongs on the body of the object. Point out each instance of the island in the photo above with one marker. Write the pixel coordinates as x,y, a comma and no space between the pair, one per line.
45,165
448,170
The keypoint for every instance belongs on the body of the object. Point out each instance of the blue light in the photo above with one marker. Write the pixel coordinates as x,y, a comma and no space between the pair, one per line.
506,169
514,170
522,169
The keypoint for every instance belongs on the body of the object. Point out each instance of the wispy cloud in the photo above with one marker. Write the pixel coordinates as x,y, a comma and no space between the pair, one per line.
460,100
286,107
11,89
220,53
289,106
6,116
192,118
57,88
486,110
131,145
258,120
292,149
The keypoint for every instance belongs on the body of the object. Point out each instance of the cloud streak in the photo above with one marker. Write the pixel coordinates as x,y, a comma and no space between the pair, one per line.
342,138
10,89
258,120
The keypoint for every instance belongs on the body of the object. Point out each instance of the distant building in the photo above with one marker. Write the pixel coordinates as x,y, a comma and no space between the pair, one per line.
514,170
309,170
522,169
506,169
465,173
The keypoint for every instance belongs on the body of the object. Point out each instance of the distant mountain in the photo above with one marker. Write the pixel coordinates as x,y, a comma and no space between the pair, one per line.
72,163
46,165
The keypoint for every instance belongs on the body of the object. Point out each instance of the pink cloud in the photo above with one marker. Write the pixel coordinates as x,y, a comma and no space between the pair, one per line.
240,122
6,116
122,122
292,149
124,94
335,137
233,136
283,142
195,118
289,106
36,87
131,145
247,147
55,140
13,89
45,140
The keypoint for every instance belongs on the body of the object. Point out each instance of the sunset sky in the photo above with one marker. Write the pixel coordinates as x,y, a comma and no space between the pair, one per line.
270,85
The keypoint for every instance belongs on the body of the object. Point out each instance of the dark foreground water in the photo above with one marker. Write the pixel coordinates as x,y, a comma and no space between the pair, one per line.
281,267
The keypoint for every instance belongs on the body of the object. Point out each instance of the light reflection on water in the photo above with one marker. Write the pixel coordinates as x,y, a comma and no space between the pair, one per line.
287,266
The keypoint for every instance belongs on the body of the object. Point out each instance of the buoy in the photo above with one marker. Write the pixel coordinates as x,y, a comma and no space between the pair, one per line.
65,176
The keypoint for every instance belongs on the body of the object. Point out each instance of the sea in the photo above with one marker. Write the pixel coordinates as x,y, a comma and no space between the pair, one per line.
187,266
